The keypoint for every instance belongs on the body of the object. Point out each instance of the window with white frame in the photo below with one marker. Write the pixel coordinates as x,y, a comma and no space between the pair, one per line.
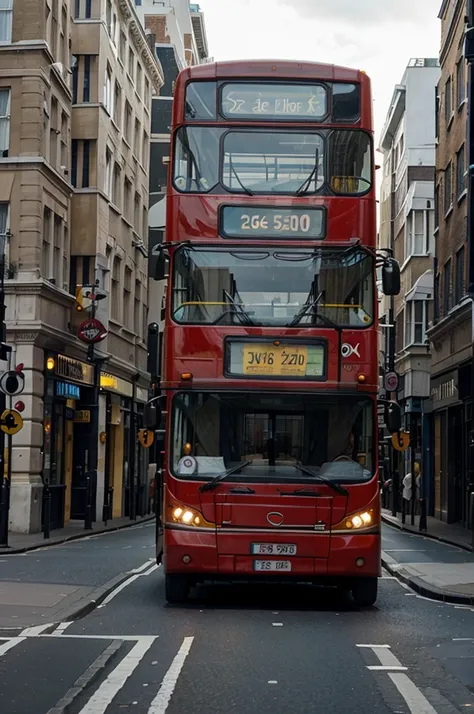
6,14
4,122
416,322
108,92
108,173
417,231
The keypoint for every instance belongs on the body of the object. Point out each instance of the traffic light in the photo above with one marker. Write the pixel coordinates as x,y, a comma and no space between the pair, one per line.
13,381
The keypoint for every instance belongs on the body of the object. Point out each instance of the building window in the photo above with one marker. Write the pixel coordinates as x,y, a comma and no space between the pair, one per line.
448,189
131,64
82,9
145,149
436,207
416,233
146,93
108,17
47,241
137,311
117,103
460,171
127,298
81,163
108,173
127,200
139,79
114,289
116,185
6,13
447,294
436,299
448,100
127,125
416,322
137,139
122,47
87,79
461,81
108,95
64,140
4,121
137,213
57,250
75,77
460,280
437,111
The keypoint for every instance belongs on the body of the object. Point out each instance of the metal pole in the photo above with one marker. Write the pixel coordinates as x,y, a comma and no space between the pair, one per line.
391,368
132,450
5,489
91,479
469,54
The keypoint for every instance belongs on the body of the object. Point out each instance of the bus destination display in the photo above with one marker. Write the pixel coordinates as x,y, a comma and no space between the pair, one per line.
274,101
267,222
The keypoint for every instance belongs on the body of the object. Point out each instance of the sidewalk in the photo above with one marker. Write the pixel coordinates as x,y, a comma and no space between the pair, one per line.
23,542
429,565
452,533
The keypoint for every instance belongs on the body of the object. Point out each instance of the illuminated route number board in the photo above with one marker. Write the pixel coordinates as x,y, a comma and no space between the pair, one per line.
307,223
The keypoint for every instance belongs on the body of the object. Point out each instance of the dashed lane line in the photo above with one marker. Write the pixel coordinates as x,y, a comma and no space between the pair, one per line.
160,703
13,642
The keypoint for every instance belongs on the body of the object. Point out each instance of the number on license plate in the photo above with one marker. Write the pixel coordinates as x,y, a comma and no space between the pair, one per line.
274,549
272,565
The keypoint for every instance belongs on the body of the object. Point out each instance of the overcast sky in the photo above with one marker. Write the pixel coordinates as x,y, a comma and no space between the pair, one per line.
378,36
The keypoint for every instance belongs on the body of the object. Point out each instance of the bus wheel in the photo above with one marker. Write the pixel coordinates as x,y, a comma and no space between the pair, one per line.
364,591
177,588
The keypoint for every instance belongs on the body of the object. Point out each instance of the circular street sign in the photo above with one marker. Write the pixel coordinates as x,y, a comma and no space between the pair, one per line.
91,330
391,381
11,422
401,441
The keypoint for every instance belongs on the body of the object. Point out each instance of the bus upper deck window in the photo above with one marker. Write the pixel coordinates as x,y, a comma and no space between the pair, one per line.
200,101
346,102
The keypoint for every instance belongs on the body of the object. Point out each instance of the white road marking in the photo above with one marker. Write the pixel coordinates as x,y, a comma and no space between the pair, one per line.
387,647
125,584
104,695
10,644
36,630
125,638
386,668
61,627
463,639
160,703
405,550
277,624
140,568
416,701
272,681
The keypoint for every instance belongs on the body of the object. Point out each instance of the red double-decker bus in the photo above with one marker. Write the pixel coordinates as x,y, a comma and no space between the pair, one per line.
270,371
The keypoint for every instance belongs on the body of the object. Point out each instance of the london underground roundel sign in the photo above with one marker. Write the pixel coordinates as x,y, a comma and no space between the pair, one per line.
91,330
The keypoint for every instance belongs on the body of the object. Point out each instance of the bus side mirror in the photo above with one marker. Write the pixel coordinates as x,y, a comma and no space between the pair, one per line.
161,265
151,416
391,277
393,417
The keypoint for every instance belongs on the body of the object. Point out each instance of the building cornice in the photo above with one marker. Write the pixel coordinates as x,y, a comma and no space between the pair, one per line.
459,314
136,30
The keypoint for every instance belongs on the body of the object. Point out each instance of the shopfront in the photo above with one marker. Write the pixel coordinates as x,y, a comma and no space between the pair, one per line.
67,438
449,446
125,468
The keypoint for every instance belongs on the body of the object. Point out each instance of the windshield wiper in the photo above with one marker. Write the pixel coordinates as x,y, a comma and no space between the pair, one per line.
313,175
300,492
335,486
242,186
239,308
210,485
304,309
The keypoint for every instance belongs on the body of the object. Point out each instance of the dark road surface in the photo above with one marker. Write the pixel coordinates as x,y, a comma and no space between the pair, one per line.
238,650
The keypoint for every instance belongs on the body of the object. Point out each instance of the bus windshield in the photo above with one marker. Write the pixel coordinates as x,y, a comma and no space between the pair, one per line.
267,162
273,287
272,436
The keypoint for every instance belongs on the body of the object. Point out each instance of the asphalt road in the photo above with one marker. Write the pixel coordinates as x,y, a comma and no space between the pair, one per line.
240,650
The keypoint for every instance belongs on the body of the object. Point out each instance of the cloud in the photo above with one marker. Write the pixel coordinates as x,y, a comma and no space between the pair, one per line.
364,12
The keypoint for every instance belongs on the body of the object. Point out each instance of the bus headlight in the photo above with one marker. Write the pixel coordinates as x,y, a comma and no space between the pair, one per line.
187,516
357,521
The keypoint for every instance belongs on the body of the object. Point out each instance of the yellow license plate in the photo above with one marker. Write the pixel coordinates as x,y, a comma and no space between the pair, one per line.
273,361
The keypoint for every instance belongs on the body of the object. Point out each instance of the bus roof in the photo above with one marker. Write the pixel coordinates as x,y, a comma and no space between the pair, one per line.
276,69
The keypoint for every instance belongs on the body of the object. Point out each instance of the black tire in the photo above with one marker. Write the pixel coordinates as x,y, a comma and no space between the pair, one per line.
177,588
364,591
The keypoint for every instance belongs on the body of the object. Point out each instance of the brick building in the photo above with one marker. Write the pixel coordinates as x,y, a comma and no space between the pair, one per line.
450,333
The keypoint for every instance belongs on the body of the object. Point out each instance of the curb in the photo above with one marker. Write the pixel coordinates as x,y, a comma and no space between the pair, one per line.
440,539
75,536
422,588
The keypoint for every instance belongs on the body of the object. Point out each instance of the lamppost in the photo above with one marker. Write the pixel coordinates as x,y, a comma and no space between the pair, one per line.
4,354
469,54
